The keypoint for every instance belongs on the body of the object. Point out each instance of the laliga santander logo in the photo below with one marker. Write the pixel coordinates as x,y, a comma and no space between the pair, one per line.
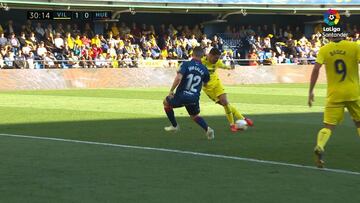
331,17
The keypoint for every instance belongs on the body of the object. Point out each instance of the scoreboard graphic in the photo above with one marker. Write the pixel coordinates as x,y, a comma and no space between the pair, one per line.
68,15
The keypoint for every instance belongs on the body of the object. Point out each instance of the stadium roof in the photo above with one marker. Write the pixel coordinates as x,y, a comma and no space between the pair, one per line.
193,6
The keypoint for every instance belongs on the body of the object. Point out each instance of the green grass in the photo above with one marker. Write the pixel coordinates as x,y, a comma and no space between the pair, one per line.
52,171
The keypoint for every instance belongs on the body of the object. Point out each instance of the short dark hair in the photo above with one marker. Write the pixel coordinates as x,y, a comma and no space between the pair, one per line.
198,52
215,51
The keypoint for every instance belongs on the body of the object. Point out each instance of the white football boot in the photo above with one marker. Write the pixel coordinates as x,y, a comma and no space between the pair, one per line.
210,133
172,128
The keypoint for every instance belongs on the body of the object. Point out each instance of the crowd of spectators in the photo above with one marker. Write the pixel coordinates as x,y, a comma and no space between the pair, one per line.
42,45
276,45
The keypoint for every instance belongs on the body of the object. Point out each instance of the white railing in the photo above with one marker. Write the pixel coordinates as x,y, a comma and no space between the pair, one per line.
44,64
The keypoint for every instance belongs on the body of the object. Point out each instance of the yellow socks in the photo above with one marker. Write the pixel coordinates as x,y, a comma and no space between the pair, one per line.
229,114
232,113
236,113
322,138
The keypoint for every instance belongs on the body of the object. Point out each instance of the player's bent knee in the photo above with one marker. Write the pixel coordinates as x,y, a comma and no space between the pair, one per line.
166,103
223,102
329,126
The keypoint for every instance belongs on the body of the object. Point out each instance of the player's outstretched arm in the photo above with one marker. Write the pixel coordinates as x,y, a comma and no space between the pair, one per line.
176,82
313,80
223,66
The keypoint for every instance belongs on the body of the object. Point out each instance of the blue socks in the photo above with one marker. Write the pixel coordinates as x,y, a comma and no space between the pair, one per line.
171,116
201,122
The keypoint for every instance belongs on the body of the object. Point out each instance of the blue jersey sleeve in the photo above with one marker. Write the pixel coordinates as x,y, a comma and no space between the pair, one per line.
183,68
206,77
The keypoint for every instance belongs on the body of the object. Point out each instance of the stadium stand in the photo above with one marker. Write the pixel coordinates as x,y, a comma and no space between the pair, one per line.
43,45
94,44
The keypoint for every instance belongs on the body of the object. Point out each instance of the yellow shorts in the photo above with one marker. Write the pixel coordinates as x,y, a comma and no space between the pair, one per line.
214,90
334,111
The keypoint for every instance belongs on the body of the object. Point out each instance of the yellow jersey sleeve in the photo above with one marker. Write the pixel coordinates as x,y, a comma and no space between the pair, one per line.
220,64
179,67
211,67
203,60
358,52
214,78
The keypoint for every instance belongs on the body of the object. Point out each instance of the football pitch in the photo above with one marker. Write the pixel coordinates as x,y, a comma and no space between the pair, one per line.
108,145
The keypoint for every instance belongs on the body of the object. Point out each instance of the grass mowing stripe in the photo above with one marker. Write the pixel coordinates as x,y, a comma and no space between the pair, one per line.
114,93
283,85
341,171
273,91
117,92
234,97
149,107
29,115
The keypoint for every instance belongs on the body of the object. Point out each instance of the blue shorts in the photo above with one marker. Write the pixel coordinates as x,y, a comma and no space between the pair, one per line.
191,103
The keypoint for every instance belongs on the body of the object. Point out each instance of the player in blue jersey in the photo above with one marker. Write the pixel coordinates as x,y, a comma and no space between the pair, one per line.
191,76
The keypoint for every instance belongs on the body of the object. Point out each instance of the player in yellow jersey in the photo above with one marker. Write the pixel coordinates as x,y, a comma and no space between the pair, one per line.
215,90
341,60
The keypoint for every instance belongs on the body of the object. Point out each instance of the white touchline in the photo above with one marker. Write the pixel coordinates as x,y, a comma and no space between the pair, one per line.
184,152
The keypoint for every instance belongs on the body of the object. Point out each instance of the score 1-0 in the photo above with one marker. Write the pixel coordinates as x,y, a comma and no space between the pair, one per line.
81,16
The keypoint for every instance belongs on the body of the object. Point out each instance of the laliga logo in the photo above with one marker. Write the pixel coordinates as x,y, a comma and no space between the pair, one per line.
331,18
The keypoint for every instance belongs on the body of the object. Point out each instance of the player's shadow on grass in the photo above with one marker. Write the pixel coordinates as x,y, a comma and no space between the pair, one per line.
279,137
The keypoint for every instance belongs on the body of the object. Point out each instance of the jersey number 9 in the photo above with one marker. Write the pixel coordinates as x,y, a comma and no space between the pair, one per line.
340,68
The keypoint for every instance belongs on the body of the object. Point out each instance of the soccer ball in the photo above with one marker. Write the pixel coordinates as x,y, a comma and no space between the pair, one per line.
241,124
